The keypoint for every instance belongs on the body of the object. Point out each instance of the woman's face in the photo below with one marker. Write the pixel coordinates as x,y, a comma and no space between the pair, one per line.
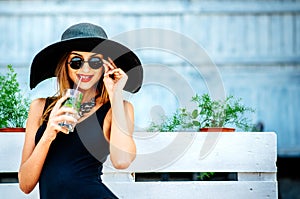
86,66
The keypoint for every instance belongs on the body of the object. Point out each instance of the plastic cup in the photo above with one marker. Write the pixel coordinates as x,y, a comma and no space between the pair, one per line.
73,101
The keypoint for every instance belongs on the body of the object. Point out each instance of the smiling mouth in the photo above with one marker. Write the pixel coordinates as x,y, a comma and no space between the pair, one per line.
85,78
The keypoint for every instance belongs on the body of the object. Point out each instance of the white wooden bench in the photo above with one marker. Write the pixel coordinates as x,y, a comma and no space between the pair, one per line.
251,155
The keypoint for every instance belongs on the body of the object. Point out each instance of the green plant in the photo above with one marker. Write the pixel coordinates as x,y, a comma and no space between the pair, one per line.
219,113
13,105
169,124
205,175
208,113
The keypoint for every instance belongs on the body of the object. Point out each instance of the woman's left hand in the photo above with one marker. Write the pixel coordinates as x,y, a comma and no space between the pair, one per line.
114,78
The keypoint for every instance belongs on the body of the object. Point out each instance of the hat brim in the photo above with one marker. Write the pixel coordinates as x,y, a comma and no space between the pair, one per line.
45,62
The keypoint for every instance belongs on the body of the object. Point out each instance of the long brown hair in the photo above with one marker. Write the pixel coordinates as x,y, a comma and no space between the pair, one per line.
64,82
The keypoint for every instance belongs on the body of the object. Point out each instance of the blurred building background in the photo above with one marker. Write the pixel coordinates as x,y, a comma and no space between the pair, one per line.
254,44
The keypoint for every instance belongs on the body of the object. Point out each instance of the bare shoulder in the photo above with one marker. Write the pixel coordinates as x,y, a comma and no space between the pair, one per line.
36,108
128,105
129,111
37,105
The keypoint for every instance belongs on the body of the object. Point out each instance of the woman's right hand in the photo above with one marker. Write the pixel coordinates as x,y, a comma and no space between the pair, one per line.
34,155
58,115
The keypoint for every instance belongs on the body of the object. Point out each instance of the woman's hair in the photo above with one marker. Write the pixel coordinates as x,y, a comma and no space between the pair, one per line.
64,82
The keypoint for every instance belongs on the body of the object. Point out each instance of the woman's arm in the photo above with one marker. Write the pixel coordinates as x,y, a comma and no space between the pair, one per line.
122,146
33,156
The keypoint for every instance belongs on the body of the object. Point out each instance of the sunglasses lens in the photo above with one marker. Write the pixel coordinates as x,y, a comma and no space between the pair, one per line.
95,62
76,63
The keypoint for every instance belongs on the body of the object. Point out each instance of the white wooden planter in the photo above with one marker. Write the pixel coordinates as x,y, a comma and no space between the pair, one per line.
251,155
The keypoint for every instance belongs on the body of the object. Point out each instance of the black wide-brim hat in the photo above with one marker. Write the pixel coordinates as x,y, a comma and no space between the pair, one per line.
89,38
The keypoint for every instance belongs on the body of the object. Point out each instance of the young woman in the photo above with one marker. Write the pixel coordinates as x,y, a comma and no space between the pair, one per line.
69,164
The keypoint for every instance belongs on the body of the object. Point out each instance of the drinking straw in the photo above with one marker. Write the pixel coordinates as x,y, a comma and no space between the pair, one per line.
76,89
78,84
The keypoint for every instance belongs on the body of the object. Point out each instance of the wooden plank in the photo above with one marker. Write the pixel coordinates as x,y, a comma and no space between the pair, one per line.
12,191
200,152
118,176
163,190
257,176
179,152
203,190
253,154
11,145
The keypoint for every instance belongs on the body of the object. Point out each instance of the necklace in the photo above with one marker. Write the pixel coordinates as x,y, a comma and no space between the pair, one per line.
86,107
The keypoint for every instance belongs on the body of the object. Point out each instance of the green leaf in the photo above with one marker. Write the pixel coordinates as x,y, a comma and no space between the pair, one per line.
196,123
195,114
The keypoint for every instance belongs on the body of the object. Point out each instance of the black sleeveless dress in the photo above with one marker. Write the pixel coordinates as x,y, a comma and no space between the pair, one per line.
73,166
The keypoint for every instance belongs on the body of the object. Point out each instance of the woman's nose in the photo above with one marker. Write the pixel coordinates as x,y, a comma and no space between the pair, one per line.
85,67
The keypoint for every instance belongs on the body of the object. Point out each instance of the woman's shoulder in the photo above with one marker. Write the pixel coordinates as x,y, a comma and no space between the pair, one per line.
128,104
40,103
37,105
36,110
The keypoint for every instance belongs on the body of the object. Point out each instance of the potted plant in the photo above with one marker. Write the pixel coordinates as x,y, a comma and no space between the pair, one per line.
209,115
219,115
13,104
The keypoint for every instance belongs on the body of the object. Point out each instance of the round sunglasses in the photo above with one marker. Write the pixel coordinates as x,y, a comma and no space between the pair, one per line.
94,62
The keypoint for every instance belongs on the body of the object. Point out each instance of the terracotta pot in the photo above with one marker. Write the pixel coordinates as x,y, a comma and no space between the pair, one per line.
217,129
13,130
